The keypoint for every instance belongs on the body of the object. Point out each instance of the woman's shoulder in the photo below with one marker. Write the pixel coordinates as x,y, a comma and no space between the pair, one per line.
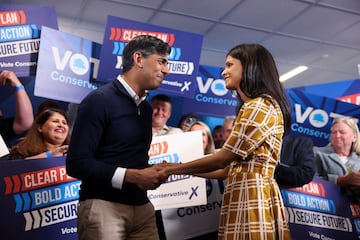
259,101
325,150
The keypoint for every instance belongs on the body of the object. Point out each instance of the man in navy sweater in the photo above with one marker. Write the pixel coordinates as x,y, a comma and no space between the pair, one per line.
109,148
297,161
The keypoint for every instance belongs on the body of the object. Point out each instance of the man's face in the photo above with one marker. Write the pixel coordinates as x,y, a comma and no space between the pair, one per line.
219,134
161,113
219,137
154,68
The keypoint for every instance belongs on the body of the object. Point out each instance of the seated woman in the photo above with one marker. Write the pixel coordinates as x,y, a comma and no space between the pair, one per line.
48,137
339,161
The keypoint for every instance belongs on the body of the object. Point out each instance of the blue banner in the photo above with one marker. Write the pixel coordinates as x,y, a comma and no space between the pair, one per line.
20,36
38,200
318,210
312,115
183,60
211,96
347,91
67,67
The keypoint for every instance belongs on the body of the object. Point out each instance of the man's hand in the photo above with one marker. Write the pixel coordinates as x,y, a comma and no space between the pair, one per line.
147,178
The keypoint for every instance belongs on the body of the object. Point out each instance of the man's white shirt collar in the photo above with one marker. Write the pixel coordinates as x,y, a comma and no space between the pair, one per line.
131,92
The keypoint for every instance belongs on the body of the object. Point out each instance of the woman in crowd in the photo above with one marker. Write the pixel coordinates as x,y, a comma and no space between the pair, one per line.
339,161
208,141
252,206
48,137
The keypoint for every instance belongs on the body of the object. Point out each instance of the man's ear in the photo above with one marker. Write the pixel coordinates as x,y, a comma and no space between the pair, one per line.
137,57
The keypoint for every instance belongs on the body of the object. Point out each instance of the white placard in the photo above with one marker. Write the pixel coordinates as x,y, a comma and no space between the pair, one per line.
178,190
3,148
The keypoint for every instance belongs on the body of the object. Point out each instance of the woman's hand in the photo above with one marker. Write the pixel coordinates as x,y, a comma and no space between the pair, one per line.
60,151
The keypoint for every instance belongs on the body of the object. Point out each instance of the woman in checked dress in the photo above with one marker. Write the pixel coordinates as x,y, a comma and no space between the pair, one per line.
252,206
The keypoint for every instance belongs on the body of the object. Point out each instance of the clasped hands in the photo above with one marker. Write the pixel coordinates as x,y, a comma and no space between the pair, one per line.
152,177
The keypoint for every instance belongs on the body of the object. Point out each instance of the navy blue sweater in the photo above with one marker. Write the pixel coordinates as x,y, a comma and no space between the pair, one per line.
110,131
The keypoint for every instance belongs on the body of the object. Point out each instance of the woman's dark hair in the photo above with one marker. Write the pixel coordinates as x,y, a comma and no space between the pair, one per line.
260,76
145,44
33,142
47,104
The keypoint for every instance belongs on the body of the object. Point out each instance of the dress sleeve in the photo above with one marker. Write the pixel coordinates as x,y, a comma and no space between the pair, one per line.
256,121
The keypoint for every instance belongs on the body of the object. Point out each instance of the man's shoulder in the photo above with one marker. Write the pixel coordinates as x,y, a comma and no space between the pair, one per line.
173,130
297,139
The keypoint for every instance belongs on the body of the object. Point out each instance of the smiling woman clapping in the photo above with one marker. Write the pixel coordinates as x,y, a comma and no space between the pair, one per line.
48,137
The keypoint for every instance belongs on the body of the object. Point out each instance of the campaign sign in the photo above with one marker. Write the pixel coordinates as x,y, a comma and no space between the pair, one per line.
347,91
312,115
67,66
38,200
211,96
193,221
178,190
318,210
20,36
183,60
355,210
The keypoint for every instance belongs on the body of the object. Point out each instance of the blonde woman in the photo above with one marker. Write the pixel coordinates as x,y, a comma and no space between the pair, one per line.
208,141
339,161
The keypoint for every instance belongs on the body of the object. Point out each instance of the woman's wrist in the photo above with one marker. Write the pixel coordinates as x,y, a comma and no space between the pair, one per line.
48,154
19,88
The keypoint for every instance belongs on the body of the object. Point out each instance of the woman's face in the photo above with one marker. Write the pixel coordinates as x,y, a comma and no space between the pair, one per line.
55,129
232,73
204,134
342,137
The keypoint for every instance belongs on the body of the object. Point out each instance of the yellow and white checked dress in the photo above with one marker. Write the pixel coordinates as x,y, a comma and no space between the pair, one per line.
252,205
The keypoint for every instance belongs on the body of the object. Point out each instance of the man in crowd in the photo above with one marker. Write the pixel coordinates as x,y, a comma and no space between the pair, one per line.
162,107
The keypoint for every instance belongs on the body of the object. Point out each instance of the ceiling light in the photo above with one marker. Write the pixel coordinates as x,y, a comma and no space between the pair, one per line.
292,73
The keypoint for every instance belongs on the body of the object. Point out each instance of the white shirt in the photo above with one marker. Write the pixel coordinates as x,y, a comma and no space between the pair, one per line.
119,175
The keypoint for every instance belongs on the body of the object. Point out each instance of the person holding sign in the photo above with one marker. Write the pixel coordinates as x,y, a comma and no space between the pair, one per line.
339,161
162,109
109,148
48,137
252,206
24,117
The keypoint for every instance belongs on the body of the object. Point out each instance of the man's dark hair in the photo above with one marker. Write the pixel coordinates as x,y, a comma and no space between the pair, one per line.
162,98
145,44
